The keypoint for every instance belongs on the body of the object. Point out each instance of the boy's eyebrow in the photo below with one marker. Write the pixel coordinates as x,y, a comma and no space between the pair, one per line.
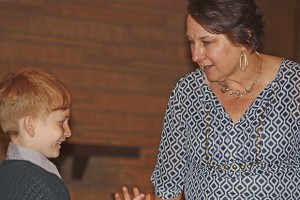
66,116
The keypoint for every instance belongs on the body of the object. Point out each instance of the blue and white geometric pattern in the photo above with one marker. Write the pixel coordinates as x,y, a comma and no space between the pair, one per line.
210,157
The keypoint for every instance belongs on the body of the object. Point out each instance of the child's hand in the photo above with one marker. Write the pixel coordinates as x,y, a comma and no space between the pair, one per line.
136,195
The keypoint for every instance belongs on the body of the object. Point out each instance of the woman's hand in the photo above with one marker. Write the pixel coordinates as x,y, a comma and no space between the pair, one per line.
136,195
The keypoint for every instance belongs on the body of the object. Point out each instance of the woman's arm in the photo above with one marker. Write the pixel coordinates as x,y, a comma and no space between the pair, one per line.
179,197
139,196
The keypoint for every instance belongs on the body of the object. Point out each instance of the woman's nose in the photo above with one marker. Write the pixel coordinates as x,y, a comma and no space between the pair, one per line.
198,54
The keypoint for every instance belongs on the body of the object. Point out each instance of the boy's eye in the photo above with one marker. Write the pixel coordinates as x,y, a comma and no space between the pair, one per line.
62,122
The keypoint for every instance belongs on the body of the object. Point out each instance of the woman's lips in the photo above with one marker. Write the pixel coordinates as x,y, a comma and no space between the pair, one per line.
207,68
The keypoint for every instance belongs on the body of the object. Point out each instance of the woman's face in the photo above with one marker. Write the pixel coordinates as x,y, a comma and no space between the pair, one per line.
214,53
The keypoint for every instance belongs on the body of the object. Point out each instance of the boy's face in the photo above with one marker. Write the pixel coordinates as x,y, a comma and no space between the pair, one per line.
51,132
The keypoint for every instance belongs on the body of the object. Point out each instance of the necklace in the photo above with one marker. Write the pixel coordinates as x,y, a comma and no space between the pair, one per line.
237,93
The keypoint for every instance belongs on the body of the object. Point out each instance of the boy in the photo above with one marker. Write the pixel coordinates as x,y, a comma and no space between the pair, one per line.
34,113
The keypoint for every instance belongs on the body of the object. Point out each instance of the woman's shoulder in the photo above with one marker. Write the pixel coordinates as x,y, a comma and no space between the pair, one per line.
291,64
271,60
191,78
275,67
289,68
190,85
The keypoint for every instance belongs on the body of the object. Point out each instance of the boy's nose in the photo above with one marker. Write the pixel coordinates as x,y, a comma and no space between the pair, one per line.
67,131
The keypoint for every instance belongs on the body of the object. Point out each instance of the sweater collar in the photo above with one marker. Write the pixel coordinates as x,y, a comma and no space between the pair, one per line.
15,152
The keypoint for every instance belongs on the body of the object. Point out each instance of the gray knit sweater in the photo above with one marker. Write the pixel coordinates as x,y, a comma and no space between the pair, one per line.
23,180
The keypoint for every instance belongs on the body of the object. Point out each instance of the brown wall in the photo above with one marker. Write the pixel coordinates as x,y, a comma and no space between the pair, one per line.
121,60
282,26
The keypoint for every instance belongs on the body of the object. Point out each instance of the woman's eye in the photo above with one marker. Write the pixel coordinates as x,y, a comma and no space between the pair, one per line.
191,43
205,43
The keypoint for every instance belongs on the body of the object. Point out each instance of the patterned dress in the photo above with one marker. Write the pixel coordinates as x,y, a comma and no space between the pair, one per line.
204,155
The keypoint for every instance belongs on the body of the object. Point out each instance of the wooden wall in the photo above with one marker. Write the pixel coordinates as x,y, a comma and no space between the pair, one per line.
282,27
121,60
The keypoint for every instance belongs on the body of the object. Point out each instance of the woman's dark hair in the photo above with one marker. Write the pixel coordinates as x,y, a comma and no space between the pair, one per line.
240,20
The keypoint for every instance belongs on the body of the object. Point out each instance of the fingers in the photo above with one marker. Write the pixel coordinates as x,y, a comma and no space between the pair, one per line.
135,191
126,193
117,197
136,194
139,197
148,197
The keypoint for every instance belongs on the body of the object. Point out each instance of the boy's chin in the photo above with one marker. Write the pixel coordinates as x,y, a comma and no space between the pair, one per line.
53,155
56,155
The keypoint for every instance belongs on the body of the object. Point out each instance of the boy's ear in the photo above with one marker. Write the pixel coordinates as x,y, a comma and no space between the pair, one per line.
29,125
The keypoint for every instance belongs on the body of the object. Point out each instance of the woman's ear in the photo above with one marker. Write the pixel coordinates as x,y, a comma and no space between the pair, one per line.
29,125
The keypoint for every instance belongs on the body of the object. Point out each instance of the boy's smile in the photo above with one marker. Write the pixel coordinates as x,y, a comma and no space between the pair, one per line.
49,133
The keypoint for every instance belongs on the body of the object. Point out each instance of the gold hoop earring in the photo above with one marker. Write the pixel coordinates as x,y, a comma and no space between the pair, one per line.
243,62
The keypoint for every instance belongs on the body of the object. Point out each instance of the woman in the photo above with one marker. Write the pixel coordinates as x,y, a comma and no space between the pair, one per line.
231,129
